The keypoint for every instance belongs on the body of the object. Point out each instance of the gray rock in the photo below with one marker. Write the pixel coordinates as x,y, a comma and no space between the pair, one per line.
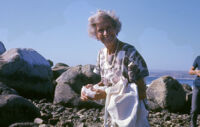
187,88
38,120
78,76
72,77
188,98
43,125
24,124
80,125
14,108
63,94
2,48
27,72
66,96
30,88
24,63
69,85
166,93
87,70
5,90
58,69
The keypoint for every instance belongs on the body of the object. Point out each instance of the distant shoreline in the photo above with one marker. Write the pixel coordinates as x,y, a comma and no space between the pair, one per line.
175,74
187,78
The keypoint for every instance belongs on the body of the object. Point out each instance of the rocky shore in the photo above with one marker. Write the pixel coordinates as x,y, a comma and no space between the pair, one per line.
34,92
61,116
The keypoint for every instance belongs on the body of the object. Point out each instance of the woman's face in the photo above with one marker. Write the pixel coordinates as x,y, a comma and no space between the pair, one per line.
105,32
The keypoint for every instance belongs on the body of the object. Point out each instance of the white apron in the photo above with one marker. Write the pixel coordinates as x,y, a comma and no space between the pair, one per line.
124,107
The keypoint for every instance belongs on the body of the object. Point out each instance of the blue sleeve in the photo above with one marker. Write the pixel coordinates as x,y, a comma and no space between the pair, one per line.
195,64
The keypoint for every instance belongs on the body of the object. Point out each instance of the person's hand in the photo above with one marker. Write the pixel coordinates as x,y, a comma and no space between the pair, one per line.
197,72
100,94
83,95
89,85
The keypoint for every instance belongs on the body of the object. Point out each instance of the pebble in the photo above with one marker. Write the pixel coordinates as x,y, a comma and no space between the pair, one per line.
38,121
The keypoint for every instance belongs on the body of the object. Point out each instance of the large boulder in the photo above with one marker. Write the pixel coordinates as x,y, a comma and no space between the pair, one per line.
14,108
79,76
2,48
166,93
30,88
24,63
58,69
27,72
64,94
69,84
5,90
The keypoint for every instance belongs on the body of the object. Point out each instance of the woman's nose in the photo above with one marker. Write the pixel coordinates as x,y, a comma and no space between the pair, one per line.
105,32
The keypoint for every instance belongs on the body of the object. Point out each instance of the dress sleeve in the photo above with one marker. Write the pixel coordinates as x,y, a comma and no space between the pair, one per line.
97,67
195,64
137,67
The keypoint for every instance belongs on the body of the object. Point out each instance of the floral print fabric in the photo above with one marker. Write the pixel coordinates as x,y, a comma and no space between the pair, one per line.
128,63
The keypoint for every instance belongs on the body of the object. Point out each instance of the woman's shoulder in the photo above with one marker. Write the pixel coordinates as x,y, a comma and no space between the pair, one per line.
127,47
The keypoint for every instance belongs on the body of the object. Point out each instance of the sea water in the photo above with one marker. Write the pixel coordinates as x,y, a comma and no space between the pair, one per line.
182,81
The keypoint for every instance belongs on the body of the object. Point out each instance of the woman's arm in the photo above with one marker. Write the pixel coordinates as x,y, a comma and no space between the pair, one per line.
141,88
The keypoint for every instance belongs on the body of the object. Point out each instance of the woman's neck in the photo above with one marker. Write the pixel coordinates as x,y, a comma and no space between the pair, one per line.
111,48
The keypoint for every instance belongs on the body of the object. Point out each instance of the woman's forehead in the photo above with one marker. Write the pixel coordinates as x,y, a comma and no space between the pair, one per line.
103,19
104,22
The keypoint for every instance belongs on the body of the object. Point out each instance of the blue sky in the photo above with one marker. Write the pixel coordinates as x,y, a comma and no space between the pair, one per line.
165,32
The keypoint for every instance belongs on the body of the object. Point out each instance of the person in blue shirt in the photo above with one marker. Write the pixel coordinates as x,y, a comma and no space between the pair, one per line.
195,109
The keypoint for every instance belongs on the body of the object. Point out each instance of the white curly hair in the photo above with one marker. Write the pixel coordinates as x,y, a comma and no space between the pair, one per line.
94,19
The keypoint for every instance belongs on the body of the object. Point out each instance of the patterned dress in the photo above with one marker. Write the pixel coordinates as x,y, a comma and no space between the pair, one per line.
128,63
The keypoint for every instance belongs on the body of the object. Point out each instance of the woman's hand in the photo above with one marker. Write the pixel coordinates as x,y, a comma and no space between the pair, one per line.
89,85
100,94
83,95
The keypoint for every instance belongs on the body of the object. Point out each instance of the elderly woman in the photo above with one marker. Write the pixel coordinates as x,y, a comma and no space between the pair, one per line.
122,71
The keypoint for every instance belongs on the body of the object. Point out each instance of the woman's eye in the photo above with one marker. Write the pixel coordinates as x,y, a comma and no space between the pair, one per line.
100,30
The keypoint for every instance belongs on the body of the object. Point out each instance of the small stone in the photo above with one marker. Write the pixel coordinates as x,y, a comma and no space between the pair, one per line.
81,125
43,100
42,125
167,118
38,121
